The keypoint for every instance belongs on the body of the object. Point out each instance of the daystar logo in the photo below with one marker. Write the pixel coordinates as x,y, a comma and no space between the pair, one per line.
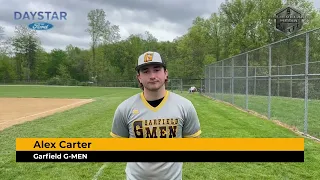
41,16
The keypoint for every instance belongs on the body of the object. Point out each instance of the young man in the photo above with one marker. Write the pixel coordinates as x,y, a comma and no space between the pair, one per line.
154,113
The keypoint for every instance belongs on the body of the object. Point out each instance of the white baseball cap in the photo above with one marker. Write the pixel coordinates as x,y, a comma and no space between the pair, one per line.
149,57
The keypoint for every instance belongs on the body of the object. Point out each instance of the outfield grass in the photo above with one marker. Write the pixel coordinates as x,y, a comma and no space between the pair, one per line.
286,110
95,119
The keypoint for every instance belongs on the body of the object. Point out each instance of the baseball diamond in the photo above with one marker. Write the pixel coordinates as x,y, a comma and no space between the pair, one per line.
19,110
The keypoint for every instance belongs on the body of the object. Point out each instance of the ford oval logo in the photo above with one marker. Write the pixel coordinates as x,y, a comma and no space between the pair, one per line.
40,26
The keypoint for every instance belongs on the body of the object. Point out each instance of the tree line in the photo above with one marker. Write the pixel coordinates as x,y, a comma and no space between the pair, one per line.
238,26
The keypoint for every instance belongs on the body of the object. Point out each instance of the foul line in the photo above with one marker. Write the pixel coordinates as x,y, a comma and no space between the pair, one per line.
47,111
100,171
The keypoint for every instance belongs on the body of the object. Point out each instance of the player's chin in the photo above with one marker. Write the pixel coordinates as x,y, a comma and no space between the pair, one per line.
154,87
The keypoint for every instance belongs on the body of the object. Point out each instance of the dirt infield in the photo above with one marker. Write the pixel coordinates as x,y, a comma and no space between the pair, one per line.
18,110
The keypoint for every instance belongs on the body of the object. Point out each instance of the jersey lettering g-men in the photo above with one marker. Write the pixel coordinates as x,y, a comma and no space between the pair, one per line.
174,117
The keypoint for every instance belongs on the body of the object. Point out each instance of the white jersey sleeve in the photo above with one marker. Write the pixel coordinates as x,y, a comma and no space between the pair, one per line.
191,127
119,125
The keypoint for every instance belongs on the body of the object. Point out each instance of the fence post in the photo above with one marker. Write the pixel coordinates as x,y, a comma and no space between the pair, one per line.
215,81
201,87
222,89
247,80
206,80
232,85
306,88
269,86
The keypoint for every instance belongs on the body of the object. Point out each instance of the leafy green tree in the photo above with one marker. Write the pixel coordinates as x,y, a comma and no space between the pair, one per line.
25,45
96,29
58,57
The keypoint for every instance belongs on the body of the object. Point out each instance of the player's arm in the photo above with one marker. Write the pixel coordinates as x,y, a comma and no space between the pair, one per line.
119,124
191,127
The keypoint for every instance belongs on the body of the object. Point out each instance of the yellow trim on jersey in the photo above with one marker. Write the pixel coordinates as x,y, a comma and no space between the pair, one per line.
115,136
193,135
145,102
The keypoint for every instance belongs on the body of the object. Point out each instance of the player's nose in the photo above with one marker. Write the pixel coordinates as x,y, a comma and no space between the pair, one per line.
152,75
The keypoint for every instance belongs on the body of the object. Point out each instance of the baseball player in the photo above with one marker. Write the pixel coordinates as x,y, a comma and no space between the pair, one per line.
154,113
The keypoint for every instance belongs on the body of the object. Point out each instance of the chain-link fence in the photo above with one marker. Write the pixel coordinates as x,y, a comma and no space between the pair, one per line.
280,80
71,82
177,85
183,85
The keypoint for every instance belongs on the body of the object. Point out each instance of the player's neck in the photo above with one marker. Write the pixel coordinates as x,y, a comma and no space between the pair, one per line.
154,95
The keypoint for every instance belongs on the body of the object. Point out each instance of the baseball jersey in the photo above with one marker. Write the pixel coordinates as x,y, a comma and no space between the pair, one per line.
174,117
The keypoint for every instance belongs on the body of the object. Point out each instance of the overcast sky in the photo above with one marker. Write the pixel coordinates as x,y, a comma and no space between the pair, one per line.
165,19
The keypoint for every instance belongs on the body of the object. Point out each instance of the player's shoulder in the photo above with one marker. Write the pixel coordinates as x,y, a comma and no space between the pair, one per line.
179,99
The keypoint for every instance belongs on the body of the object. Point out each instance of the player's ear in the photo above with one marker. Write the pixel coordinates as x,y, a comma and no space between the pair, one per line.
166,72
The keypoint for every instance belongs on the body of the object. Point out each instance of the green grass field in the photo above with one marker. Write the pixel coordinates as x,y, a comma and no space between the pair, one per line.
95,119
287,110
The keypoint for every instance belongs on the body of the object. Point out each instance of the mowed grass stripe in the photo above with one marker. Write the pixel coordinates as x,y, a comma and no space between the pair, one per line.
94,120
287,110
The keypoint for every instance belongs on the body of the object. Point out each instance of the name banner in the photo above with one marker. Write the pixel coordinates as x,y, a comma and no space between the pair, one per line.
159,150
